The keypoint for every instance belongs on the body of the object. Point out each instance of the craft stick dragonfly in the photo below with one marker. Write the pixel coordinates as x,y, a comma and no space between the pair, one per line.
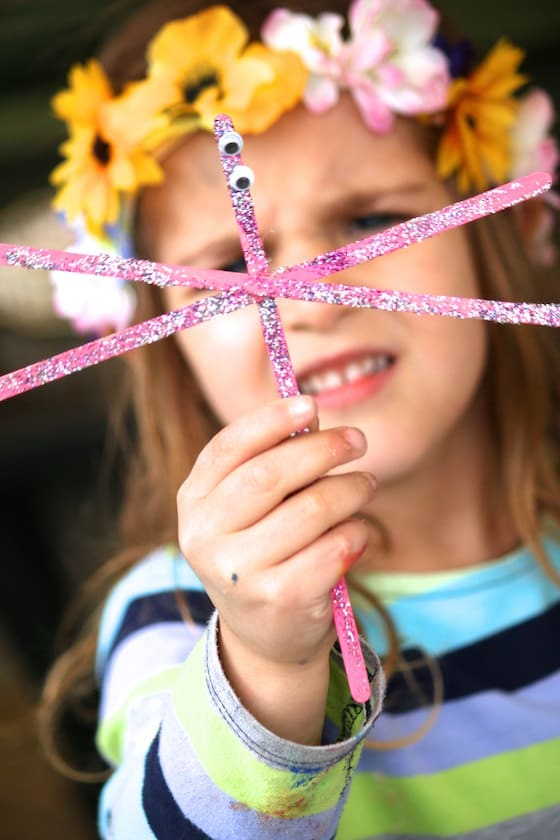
260,286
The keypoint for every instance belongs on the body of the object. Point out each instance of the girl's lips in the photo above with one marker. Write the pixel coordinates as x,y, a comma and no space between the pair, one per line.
346,378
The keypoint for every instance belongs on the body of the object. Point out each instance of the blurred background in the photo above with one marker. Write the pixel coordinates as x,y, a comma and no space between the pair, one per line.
55,498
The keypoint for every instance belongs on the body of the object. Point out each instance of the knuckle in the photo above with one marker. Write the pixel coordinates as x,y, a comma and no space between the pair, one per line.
334,443
183,495
368,483
191,533
269,590
260,477
217,449
314,503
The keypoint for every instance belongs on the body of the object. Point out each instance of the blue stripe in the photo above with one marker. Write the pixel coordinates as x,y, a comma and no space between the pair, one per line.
227,819
470,608
163,570
147,652
506,661
162,608
467,730
162,812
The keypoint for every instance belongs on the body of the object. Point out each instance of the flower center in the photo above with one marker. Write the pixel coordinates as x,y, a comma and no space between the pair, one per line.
198,82
101,150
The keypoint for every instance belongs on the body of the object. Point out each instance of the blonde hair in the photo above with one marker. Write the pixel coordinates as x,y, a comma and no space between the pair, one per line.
173,422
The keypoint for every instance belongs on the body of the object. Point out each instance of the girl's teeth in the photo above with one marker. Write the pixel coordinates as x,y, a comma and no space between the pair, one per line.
332,379
354,371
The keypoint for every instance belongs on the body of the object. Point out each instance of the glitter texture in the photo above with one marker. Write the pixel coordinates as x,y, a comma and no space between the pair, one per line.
261,287
110,346
351,650
257,266
258,269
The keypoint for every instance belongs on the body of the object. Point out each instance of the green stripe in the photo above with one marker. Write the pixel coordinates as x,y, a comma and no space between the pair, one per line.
239,772
462,799
110,734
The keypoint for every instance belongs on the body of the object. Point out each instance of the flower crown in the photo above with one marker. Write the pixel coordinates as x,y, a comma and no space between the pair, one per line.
391,62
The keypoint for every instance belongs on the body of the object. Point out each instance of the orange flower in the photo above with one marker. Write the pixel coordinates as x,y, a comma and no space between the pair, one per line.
476,144
206,59
106,154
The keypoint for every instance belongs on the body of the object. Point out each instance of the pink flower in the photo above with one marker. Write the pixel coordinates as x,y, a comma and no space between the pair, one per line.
387,64
390,66
98,305
532,147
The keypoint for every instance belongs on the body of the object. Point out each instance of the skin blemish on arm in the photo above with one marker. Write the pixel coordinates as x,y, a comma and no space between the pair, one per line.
234,578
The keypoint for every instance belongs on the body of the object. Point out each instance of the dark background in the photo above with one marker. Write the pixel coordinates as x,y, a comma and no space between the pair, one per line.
55,505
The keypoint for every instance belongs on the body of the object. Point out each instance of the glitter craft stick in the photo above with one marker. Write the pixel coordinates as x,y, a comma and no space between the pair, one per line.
257,266
390,300
278,283
102,349
254,253
292,287
109,265
421,228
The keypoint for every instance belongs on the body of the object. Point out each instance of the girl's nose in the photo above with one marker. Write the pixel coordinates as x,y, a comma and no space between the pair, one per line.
301,315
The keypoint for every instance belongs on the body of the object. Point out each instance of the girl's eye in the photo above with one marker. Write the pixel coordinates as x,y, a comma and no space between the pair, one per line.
375,221
237,265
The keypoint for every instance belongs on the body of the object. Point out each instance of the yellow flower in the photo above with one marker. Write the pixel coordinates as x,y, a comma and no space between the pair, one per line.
481,110
213,71
106,153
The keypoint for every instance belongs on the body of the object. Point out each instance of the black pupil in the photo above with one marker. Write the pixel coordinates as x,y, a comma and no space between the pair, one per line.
195,88
231,147
243,182
101,150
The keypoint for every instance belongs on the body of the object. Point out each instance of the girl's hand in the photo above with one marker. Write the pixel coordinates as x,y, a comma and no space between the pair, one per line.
269,534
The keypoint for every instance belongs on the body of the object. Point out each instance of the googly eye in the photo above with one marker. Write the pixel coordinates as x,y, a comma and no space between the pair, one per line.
241,178
230,143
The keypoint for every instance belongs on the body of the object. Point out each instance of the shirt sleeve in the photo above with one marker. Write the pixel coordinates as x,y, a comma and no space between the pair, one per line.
189,760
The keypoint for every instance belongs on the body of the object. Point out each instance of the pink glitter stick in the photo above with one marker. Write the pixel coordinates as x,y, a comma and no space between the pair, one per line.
109,265
286,283
257,266
255,257
423,227
278,284
110,346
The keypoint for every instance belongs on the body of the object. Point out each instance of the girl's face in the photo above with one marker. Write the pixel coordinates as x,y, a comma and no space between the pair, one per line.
408,382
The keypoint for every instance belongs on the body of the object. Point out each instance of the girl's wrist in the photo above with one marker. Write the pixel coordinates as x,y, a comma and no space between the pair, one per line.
288,699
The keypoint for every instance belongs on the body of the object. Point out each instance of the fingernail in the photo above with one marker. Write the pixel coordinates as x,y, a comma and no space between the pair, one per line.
302,406
372,479
352,558
355,438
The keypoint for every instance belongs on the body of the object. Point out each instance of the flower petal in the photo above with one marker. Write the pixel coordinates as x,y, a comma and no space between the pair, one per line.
214,36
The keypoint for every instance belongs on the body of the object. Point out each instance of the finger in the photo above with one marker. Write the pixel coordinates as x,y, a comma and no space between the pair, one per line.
262,483
301,519
305,581
247,437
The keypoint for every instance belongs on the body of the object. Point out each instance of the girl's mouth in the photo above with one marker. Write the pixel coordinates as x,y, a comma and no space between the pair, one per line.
348,379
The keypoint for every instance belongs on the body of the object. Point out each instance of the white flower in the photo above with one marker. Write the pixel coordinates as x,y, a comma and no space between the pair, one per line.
97,305
533,149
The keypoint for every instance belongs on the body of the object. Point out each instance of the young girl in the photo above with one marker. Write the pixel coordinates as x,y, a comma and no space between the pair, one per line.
225,712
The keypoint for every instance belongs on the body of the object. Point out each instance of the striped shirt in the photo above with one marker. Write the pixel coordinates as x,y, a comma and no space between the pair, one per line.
191,762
